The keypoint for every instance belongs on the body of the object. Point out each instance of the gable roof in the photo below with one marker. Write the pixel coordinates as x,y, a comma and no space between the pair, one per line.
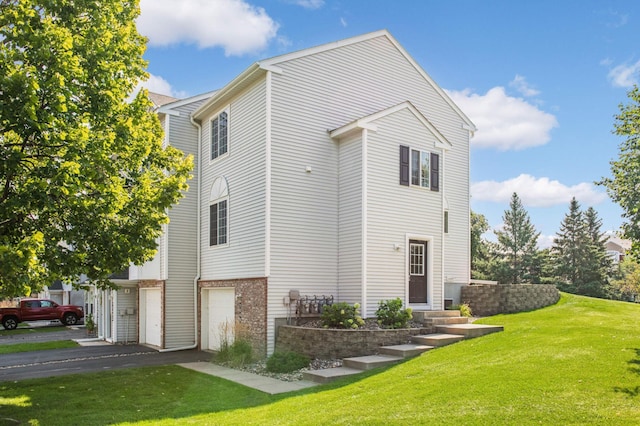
159,100
258,69
367,123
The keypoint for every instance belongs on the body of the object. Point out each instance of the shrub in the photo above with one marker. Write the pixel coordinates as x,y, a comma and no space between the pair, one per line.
237,354
286,362
464,308
391,315
341,315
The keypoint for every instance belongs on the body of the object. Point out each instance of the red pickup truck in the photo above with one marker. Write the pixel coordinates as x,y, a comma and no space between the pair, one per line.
38,310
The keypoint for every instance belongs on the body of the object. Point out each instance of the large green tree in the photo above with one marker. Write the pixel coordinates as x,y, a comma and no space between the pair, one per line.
479,247
582,265
85,182
517,243
623,186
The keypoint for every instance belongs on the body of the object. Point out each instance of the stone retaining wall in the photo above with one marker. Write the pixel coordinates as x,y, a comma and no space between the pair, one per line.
492,299
326,343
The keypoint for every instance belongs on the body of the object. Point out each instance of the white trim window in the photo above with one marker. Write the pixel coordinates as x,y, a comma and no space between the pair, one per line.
218,219
419,168
220,134
219,213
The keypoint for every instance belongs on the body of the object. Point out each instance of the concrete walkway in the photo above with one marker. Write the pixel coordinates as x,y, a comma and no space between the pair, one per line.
255,381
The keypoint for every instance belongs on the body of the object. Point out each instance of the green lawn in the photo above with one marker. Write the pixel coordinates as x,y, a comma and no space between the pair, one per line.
38,346
24,328
577,362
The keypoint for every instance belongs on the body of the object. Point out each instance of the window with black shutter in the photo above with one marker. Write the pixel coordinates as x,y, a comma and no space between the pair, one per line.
419,168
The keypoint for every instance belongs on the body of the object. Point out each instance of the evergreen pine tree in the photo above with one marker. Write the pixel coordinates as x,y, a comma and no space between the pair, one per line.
582,264
569,250
598,263
517,243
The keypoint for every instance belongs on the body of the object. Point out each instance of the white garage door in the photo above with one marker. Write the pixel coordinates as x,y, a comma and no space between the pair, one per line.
153,317
220,311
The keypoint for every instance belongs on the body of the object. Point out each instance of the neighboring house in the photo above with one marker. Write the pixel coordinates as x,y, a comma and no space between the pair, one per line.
338,170
155,302
64,294
617,248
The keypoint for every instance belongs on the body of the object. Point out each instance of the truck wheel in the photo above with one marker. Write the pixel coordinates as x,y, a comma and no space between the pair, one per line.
70,319
10,323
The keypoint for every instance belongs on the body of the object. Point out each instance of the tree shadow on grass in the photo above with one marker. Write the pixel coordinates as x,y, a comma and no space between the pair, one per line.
634,367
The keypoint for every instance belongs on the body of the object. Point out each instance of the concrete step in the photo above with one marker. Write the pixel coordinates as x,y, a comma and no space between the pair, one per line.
370,361
437,339
445,321
422,315
469,330
329,374
405,351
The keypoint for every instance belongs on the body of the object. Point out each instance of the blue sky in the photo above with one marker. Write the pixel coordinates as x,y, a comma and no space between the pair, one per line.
542,80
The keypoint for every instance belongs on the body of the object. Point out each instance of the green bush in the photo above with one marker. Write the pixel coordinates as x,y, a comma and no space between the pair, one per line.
391,315
341,315
464,308
286,362
237,354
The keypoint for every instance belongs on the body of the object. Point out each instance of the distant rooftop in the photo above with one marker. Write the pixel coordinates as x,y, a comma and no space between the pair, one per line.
159,100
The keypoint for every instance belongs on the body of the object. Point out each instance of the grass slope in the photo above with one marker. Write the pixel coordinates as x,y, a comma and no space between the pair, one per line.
577,362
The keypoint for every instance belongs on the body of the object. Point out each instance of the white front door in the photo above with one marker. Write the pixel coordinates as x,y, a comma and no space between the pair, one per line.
153,317
218,319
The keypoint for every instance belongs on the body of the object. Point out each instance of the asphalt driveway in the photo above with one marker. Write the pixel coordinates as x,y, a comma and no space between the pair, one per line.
83,359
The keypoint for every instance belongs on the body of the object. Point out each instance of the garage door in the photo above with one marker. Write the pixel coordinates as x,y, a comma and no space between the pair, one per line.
220,310
153,317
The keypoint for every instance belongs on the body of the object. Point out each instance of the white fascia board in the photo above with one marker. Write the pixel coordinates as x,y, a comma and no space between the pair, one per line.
348,128
248,73
169,108
323,48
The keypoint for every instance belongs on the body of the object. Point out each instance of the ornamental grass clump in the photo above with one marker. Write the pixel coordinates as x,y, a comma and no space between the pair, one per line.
342,315
391,315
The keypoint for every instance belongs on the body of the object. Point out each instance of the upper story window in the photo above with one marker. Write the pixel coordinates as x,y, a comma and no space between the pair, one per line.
219,134
419,168
219,212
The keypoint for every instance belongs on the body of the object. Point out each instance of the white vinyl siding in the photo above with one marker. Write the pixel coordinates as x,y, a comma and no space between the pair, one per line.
325,91
394,211
127,319
244,171
181,238
350,217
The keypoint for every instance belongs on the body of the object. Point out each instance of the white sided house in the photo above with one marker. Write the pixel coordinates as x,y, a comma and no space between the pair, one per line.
340,170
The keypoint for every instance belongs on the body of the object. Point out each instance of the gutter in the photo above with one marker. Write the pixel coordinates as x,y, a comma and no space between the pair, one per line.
197,276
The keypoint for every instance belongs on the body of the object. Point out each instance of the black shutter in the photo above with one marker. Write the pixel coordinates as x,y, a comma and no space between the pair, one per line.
435,172
213,225
404,165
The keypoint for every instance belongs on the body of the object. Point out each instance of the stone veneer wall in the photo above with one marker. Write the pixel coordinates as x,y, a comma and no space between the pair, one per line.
492,299
250,308
326,343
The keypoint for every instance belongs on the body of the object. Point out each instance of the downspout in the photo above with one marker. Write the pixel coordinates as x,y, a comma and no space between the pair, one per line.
197,276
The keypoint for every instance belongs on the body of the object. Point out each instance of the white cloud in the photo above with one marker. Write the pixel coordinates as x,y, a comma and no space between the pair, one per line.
536,192
308,4
521,85
343,22
234,25
505,122
624,75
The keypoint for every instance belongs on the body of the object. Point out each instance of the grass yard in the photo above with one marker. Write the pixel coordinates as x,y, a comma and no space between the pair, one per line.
24,328
38,346
577,362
